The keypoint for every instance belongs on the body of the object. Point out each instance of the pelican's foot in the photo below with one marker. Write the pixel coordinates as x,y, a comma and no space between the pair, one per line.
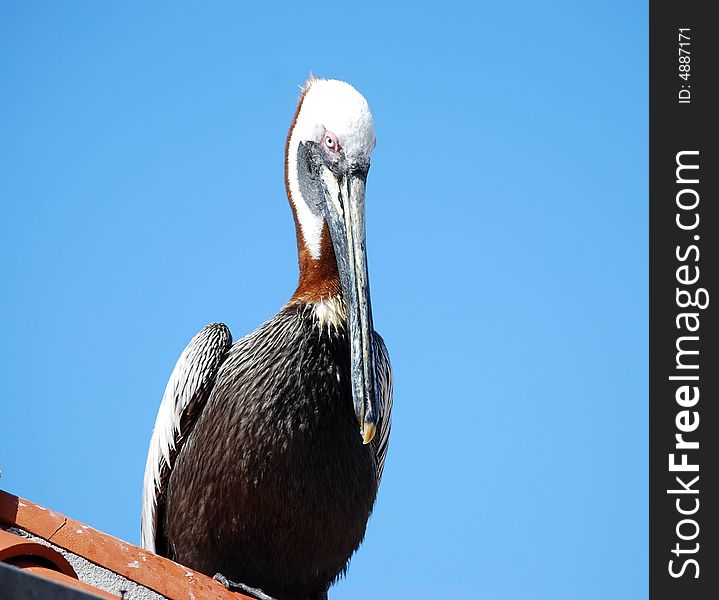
233,586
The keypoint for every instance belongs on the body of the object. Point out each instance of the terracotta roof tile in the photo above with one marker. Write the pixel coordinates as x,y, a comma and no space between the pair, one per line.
145,568
42,560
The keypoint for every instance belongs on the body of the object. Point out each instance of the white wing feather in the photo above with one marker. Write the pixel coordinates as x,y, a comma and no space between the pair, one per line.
187,390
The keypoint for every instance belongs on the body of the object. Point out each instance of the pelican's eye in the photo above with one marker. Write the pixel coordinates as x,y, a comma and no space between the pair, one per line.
330,141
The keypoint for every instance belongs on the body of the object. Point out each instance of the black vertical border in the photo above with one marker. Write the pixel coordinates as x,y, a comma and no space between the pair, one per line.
675,127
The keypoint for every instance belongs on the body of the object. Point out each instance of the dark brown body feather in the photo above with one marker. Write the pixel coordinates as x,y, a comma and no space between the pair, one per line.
273,486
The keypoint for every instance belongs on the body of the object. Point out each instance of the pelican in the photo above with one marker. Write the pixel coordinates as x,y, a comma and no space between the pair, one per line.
266,455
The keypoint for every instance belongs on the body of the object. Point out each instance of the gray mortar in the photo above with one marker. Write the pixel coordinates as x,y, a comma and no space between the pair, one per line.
95,575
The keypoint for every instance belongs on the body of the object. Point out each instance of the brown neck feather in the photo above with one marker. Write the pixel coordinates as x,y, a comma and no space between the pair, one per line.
319,277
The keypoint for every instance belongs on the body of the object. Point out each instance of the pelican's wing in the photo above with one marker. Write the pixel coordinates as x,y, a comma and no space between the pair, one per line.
185,395
384,382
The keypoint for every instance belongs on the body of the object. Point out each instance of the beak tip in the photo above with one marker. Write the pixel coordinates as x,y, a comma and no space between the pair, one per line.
368,433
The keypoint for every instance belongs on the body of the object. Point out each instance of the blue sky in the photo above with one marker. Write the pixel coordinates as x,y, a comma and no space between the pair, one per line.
142,196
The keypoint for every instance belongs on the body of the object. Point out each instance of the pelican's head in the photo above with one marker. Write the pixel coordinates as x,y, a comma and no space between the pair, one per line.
327,160
333,132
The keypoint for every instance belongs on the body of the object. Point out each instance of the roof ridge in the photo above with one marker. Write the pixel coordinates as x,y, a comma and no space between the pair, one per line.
145,568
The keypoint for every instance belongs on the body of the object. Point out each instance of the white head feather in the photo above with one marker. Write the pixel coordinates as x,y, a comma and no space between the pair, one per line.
336,107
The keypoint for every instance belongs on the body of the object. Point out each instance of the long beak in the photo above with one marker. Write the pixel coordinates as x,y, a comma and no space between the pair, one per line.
344,212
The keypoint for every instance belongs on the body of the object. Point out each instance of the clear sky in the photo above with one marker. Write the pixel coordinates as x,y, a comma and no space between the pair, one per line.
142,196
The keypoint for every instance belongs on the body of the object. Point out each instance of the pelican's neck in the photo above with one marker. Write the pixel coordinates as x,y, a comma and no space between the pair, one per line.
319,278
